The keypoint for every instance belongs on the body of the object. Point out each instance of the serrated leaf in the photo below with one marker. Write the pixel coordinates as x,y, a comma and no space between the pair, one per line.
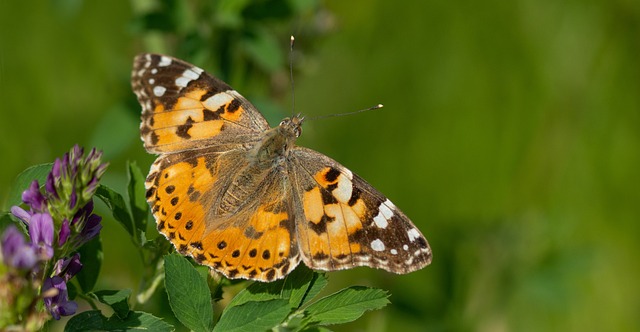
91,258
317,284
293,288
297,284
94,321
24,179
137,199
253,316
116,204
188,292
346,305
118,300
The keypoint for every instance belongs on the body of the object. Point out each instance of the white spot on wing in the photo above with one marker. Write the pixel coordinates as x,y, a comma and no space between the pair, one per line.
390,204
159,91
164,61
413,234
394,252
343,191
405,247
197,70
384,215
188,76
348,173
386,212
380,221
182,81
217,100
154,71
377,245
152,81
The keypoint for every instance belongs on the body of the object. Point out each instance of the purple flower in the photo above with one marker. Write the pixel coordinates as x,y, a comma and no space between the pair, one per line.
64,233
56,298
50,185
15,251
69,267
41,232
21,214
91,228
33,197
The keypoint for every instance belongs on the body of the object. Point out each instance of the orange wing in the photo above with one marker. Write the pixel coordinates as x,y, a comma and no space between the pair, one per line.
343,222
185,108
238,223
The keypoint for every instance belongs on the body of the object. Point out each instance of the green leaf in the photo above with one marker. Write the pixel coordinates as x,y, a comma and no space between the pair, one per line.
94,321
91,257
316,284
189,295
293,288
116,204
118,300
7,220
24,179
253,316
137,199
346,305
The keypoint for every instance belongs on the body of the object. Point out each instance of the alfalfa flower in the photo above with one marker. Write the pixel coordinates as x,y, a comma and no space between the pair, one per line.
59,219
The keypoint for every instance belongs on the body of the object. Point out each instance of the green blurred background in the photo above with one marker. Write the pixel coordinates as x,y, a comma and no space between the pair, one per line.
510,133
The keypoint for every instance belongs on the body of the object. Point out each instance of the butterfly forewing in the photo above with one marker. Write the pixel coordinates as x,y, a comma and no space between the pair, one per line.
185,108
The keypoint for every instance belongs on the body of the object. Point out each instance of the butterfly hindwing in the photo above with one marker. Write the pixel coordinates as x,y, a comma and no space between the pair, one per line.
186,108
237,222
344,222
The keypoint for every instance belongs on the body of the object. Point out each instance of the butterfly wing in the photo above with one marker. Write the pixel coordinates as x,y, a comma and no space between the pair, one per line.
185,108
225,212
343,222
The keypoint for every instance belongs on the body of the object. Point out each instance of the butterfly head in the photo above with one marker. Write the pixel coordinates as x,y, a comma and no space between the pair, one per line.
291,127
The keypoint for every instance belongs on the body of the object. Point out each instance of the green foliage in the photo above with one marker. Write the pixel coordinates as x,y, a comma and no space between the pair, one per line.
91,254
93,320
24,179
117,300
188,293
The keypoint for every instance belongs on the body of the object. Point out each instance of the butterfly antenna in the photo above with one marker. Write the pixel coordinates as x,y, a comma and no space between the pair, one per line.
293,95
348,113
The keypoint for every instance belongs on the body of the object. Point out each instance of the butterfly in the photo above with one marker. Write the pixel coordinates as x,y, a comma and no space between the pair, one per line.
243,199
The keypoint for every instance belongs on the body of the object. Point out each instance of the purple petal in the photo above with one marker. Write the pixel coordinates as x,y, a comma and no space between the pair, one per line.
21,214
91,228
50,185
58,304
33,197
68,308
55,170
15,251
41,232
73,199
69,267
65,231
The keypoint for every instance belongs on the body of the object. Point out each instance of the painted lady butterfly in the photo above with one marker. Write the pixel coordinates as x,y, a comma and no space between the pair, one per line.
242,198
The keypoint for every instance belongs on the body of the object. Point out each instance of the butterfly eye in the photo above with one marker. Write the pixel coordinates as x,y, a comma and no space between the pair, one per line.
283,122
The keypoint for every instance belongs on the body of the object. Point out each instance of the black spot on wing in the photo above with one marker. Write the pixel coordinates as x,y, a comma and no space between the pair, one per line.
331,175
183,130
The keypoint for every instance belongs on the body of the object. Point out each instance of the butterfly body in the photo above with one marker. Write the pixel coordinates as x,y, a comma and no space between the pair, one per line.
242,198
